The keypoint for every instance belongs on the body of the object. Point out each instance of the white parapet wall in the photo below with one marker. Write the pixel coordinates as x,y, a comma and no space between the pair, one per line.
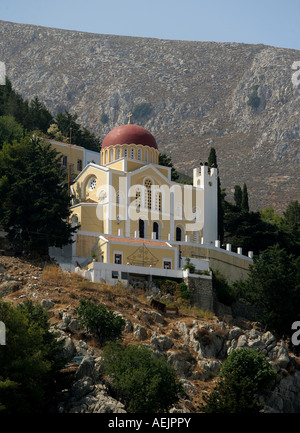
112,273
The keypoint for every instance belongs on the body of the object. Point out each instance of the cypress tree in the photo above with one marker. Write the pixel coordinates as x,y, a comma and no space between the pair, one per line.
212,162
245,202
238,196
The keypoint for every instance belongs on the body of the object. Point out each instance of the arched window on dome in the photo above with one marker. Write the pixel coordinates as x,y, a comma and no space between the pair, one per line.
111,155
132,153
146,155
118,152
139,154
151,152
125,152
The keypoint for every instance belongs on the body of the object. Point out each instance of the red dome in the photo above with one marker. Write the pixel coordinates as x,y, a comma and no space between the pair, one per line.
129,134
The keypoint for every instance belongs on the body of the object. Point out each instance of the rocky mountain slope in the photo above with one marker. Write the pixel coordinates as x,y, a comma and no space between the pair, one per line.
194,344
196,94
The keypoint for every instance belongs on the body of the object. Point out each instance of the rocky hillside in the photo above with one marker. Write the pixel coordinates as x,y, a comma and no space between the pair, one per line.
194,344
195,95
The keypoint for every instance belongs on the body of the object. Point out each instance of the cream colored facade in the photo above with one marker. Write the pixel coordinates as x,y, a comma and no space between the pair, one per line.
74,158
134,218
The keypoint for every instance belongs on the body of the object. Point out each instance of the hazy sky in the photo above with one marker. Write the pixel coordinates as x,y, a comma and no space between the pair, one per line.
271,22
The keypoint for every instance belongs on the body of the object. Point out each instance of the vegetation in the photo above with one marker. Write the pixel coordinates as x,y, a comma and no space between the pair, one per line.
273,286
212,162
167,161
144,382
224,291
30,362
141,110
189,265
34,199
20,118
105,325
244,374
254,99
104,118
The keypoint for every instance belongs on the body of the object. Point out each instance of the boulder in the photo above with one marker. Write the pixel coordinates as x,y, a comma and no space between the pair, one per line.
161,343
47,303
87,369
140,332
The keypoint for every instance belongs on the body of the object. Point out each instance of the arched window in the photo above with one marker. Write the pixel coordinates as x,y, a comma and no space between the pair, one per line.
178,234
111,155
158,201
141,228
146,155
125,152
139,154
156,230
132,153
118,153
148,198
138,198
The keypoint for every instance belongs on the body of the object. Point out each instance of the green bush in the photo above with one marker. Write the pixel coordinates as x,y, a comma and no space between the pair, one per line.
144,382
224,291
254,99
244,374
104,118
30,362
183,291
105,324
189,265
141,110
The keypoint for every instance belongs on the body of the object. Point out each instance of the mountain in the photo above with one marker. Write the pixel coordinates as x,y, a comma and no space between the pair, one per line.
190,95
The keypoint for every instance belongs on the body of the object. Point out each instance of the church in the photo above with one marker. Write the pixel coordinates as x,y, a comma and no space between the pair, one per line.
135,221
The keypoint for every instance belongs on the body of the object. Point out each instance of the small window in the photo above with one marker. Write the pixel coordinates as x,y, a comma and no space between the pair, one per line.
124,276
167,265
115,274
132,153
79,164
118,259
125,153
92,184
140,154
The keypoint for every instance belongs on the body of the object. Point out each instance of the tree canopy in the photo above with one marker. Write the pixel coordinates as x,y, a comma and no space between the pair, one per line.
144,382
244,374
273,286
30,362
35,200
22,117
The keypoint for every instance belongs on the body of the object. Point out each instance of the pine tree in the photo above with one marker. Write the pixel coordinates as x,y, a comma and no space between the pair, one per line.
212,163
34,199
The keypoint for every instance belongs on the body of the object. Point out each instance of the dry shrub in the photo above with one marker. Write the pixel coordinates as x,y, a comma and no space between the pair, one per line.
52,274
204,336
